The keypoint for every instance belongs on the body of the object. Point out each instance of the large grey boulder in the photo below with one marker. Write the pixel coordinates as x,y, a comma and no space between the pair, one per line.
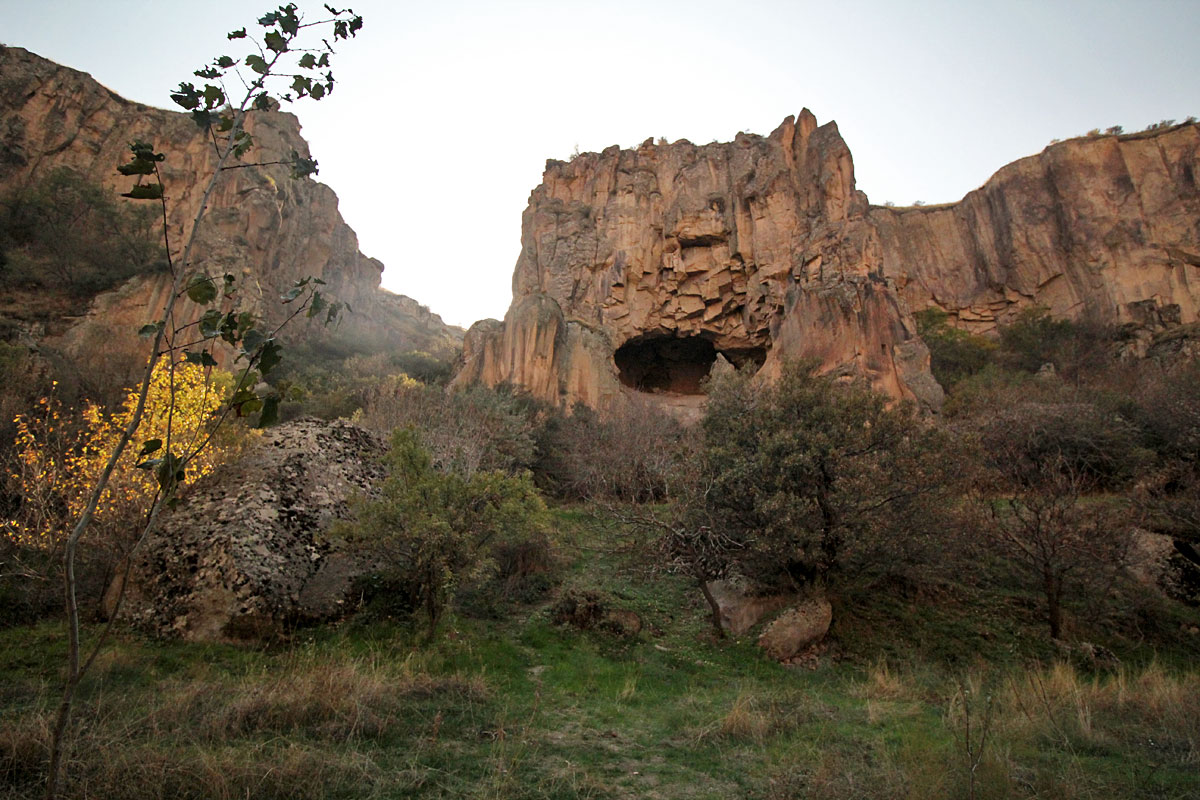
242,555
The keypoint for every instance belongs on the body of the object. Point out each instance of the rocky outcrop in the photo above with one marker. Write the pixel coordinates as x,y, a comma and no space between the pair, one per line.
640,267
1106,227
262,226
242,555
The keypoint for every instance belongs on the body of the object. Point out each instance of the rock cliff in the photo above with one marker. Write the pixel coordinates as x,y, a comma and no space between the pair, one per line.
262,226
640,268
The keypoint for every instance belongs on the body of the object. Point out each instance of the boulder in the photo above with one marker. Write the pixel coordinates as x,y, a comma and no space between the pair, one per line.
740,611
797,629
242,555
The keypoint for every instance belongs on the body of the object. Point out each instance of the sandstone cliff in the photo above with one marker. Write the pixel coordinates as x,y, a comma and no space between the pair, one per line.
640,267
262,226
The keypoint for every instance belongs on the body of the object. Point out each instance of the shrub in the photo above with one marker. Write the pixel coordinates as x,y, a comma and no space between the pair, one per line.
1027,440
465,431
815,476
60,453
437,532
635,454
954,354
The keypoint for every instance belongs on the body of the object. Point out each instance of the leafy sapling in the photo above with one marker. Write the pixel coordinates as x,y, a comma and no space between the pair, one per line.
283,65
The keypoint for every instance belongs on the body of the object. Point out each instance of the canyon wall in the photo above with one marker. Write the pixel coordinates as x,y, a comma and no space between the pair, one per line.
263,226
641,268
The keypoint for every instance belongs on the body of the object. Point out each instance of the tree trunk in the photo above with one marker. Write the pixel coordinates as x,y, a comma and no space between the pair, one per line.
1053,589
715,608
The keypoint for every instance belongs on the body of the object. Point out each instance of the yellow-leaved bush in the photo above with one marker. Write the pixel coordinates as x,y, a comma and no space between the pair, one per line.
60,454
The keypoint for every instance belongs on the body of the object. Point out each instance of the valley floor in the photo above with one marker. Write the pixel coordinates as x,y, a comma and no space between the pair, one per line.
940,693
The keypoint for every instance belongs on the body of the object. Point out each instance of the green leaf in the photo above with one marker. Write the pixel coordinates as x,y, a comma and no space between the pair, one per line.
138,166
239,34
289,22
270,411
144,151
203,118
145,191
307,61
262,102
301,84
213,96
257,64
252,340
150,330
210,323
225,62
202,358
208,73
275,41
268,19
243,142
186,96
225,124
335,311
270,356
319,304
318,91
170,472
201,289
291,295
149,446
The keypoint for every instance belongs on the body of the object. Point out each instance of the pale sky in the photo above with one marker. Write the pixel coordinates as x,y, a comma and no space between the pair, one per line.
445,112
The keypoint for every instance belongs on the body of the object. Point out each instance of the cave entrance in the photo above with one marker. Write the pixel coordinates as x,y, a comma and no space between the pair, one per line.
675,365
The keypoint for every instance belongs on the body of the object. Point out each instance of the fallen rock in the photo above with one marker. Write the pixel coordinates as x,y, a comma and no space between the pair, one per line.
797,629
740,611
242,555
1162,562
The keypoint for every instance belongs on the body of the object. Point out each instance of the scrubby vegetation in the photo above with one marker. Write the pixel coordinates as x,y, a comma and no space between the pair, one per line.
519,707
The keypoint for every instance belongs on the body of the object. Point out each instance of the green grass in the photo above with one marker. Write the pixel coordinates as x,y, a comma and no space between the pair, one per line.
521,708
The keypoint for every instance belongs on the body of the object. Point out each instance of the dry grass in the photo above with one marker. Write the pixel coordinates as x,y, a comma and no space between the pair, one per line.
268,734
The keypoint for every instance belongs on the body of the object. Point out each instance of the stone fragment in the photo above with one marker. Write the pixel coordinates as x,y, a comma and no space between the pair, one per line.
797,629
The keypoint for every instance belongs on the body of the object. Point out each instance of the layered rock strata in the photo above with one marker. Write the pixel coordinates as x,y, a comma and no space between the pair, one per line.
262,226
641,268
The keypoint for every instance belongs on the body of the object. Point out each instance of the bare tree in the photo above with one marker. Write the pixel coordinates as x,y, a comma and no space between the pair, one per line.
1043,507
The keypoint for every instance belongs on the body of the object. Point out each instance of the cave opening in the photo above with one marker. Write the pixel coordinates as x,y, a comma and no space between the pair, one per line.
676,365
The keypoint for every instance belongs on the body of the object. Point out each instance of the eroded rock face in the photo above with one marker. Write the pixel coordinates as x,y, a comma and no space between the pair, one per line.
262,226
763,249
242,555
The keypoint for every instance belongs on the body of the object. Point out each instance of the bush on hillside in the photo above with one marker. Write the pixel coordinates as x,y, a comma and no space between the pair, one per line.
438,534
464,431
65,232
634,454
816,477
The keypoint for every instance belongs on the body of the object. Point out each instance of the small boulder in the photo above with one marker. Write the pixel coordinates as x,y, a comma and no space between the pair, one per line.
740,610
797,629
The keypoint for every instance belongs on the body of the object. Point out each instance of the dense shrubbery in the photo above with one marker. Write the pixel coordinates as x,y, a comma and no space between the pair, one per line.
439,533
954,354
637,454
65,232
812,477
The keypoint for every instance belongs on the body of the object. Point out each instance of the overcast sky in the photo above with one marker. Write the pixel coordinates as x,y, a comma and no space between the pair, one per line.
445,112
